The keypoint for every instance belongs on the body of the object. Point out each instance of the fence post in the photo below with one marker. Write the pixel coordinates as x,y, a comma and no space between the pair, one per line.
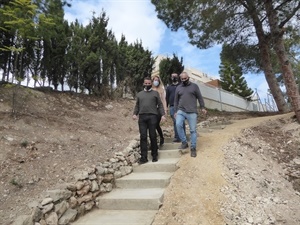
220,96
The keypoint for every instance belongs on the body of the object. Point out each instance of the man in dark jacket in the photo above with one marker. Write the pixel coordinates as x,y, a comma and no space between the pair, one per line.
170,96
148,105
185,104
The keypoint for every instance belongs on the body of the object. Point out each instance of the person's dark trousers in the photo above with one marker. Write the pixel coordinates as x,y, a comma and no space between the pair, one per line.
158,128
148,122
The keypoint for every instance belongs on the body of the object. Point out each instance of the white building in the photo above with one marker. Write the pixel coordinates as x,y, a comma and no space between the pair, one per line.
195,75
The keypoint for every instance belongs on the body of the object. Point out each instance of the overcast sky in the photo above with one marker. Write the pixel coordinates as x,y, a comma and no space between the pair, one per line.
137,20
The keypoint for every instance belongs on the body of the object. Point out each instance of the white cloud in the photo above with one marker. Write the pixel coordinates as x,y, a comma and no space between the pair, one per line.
136,20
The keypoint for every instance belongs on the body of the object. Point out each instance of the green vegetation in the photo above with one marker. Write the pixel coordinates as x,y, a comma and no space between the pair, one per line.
24,144
258,30
16,183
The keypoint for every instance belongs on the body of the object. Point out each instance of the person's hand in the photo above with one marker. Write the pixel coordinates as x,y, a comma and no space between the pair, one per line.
204,111
134,117
175,114
163,119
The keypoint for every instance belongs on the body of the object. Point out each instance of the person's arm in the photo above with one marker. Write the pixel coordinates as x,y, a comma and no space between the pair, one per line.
199,97
176,99
160,106
200,100
168,96
163,100
136,109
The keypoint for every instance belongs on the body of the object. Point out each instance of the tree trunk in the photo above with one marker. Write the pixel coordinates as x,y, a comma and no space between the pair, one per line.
271,79
266,60
277,32
288,77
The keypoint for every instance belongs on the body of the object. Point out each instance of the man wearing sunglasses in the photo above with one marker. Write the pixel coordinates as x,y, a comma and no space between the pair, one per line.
186,96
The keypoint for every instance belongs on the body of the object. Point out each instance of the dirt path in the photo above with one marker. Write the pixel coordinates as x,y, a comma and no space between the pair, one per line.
194,196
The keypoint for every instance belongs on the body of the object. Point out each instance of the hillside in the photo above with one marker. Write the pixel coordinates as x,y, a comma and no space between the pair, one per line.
54,134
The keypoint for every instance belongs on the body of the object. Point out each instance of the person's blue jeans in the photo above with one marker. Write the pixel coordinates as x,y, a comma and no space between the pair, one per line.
172,112
192,121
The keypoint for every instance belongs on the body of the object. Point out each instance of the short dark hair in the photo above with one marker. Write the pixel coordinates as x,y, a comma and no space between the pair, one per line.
147,78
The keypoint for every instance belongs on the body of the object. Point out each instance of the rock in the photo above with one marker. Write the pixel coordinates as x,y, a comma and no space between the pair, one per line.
52,219
61,208
69,216
89,205
108,178
58,195
73,202
100,170
79,185
84,190
80,210
46,201
36,214
47,208
85,198
92,176
23,220
109,107
95,186
43,222
81,175
296,161
117,174
71,187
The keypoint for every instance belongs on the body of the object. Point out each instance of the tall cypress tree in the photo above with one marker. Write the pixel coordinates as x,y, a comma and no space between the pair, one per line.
232,80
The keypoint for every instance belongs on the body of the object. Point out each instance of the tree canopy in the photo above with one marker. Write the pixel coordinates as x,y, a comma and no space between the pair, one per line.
168,65
38,43
261,24
232,80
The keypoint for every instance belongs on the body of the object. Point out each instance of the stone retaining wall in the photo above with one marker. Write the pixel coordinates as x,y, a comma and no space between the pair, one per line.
62,206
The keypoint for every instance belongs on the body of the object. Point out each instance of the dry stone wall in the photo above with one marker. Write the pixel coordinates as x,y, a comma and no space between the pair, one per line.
65,205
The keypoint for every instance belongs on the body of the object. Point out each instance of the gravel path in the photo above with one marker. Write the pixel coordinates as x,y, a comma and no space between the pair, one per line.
231,183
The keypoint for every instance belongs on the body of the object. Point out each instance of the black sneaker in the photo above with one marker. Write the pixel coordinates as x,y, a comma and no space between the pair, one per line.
184,145
154,159
175,140
193,152
143,161
162,141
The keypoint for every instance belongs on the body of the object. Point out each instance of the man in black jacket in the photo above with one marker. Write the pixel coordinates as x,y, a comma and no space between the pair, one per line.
170,96
148,105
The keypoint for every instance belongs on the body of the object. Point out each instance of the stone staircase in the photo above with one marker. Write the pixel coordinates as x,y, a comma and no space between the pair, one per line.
137,196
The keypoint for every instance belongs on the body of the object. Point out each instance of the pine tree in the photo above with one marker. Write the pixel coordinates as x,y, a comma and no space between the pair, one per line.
168,66
232,80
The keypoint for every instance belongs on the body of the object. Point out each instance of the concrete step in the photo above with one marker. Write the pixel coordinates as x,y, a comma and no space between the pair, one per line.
144,180
170,140
131,199
162,165
165,154
205,130
170,146
117,217
217,127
